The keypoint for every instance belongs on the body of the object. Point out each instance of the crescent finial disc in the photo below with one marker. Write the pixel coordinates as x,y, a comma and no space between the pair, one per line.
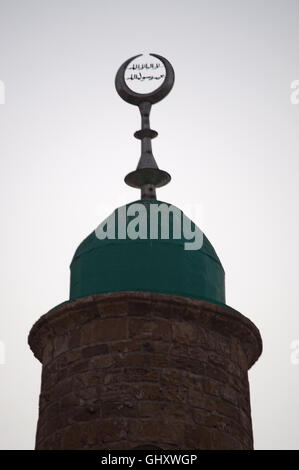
131,96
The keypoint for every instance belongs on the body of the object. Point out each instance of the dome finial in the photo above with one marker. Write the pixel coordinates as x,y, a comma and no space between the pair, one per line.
143,82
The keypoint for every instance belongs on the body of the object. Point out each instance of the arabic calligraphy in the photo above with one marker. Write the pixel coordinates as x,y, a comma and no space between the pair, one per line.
141,77
145,74
144,66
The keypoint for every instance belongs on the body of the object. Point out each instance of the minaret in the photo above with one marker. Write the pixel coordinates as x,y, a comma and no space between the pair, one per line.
145,354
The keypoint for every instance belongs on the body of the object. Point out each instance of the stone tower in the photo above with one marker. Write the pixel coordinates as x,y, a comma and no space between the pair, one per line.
145,354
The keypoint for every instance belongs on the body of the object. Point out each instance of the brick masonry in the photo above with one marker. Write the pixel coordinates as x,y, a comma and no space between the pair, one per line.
129,370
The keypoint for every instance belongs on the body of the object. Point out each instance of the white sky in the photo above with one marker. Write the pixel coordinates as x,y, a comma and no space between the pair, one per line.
228,134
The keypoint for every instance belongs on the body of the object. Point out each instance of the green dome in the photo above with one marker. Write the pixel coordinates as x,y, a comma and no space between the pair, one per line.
148,265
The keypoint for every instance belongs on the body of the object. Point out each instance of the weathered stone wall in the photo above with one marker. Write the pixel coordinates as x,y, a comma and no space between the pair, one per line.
140,369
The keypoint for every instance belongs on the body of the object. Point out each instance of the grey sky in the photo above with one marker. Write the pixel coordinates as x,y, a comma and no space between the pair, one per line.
228,134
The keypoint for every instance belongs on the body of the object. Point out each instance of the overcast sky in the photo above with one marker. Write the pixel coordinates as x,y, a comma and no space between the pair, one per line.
228,134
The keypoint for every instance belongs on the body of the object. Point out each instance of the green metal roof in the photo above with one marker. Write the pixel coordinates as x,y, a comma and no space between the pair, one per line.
148,265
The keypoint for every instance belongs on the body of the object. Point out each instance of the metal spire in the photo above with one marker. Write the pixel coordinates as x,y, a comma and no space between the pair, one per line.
147,176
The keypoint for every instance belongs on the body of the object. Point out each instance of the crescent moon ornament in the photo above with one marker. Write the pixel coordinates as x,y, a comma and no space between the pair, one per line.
145,74
144,82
